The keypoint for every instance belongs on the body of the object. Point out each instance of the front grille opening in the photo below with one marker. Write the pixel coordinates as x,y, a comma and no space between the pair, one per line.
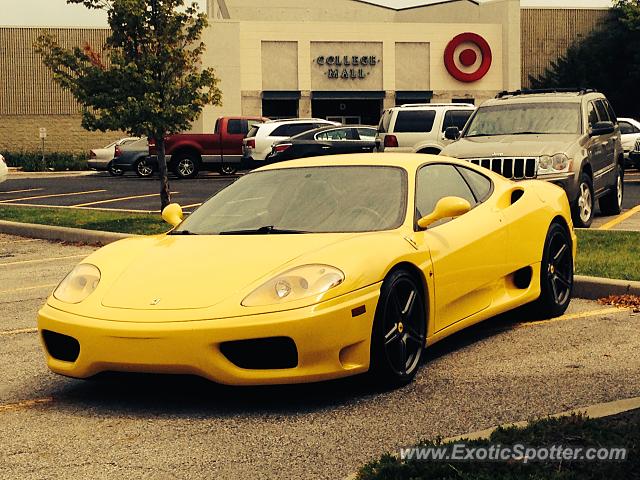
522,277
61,347
262,353
512,168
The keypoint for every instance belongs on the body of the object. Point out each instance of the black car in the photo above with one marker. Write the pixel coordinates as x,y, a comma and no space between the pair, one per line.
134,157
331,140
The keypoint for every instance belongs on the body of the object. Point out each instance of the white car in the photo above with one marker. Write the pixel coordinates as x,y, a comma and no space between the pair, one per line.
630,133
420,127
100,158
4,171
258,142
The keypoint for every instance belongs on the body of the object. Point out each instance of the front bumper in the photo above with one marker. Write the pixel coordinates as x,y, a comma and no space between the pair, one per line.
330,342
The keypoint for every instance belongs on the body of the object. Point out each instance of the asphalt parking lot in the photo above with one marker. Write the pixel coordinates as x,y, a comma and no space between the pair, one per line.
98,190
128,426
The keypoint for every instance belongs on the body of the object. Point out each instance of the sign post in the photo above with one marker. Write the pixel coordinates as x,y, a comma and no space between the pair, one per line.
43,135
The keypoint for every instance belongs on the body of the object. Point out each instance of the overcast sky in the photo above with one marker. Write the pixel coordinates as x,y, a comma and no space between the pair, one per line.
58,13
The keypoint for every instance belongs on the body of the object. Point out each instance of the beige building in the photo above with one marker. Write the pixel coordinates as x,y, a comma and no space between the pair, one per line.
347,60
340,59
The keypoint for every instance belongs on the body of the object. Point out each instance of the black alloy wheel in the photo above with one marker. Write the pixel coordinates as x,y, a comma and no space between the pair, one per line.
556,273
113,171
142,168
186,166
399,331
227,169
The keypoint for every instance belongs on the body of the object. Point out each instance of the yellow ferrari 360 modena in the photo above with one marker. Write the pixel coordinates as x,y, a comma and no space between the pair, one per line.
316,269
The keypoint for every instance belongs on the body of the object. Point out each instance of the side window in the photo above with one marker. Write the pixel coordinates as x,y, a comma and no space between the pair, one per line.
234,126
480,184
456,118
612,113
414,121
216,129
602,111
296,128
437,181
593,115
367,134
334,135
281,131
626,128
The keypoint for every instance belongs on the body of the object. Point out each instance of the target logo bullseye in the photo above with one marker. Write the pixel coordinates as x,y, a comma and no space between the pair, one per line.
468,57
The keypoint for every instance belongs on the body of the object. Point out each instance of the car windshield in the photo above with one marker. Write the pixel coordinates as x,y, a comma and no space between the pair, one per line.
526,118
305,200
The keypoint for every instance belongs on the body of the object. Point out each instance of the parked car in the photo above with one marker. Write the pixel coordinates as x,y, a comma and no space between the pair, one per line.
325,141
4,170
314,271
101,158
257,145
133,157
630,133
420,128
188,153
570,138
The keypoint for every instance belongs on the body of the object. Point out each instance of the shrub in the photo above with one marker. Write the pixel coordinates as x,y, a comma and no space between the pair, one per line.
57,161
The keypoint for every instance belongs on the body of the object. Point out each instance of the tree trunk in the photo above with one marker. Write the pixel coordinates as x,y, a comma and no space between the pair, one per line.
165,192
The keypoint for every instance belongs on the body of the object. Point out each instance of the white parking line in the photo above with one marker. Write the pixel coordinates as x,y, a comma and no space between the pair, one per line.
119,199
25,289
41,260
35,205
24,191
51,196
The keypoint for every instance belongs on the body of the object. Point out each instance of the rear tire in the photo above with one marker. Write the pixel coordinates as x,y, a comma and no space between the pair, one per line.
227,169
142,168
582,211
186,165
556,274
611,202
399,331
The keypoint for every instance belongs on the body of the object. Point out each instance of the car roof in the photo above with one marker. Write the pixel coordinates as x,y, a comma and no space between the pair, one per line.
315,131
555,97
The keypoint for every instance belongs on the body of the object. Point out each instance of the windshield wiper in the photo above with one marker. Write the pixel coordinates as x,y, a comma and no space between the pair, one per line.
528,133
267,229
182,232
481,135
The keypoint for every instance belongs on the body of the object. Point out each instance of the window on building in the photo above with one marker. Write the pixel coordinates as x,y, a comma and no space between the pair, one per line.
415,121
276,109
472,101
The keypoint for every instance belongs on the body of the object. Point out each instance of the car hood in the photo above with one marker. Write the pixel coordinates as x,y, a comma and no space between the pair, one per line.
510,146
184,278
177,272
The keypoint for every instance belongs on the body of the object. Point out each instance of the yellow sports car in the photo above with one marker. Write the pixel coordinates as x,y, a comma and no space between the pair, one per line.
315,269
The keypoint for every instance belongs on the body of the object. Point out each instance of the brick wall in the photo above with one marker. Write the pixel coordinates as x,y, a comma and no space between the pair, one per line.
64,134
547,33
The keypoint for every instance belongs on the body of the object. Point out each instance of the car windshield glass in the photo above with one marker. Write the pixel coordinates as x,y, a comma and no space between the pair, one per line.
526,118
306,200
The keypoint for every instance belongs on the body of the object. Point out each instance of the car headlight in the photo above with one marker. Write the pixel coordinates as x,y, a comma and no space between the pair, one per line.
79,284
558,163
295,284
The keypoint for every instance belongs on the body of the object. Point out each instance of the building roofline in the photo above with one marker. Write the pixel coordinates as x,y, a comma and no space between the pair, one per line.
426,4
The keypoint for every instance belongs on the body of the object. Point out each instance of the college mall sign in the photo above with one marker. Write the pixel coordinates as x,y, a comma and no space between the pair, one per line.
354,67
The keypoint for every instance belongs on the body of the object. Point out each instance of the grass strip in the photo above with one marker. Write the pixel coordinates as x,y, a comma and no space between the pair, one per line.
610,254
121,222
619,431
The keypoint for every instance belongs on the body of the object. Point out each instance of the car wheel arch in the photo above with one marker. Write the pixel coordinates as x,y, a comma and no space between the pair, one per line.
419,276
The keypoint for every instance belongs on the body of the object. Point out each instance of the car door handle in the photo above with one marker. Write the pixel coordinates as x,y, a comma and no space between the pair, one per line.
326,148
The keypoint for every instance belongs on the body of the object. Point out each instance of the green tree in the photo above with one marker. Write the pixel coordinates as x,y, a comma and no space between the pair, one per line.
149,81
608,60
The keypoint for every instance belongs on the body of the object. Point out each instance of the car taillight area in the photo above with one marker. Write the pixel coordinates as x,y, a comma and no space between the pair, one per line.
281,147
390,141
92,154
117,152
251,143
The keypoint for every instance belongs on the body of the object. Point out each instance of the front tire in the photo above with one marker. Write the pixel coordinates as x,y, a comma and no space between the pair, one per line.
399,331
611,203
113,171
142,168
556,273
227,169
584,204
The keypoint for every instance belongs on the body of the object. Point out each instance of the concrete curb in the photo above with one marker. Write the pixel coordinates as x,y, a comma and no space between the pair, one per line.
63,234
598,410
593,288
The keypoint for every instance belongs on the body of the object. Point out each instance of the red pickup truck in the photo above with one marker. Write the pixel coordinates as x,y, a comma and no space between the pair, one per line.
188,153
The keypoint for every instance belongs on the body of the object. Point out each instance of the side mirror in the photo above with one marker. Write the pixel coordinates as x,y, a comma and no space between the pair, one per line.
172,214
447,207
602,128
452,133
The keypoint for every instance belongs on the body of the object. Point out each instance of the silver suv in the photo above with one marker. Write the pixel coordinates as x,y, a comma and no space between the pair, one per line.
570,138
420,127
